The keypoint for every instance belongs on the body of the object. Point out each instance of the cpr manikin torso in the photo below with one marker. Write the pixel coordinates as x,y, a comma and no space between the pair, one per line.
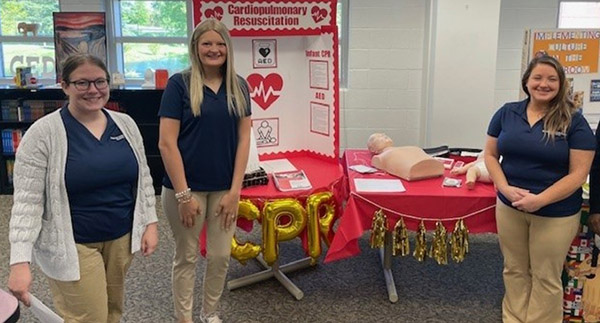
407,162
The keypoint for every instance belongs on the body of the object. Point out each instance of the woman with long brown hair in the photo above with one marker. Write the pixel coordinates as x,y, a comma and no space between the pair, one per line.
547,149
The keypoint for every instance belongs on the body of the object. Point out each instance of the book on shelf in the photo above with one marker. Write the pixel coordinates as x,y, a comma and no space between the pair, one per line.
27,110
9,110
7,146
37,109
113,105
22,76
10,166
11,138
295,180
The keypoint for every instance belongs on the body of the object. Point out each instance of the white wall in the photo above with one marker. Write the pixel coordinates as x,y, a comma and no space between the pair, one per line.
385,65
515,17
462,69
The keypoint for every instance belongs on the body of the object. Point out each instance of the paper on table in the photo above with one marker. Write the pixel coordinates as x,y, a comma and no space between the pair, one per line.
291,181
363,169
277,165
42,312
378,185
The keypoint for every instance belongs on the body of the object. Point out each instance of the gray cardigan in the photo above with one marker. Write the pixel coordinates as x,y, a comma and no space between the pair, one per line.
40,224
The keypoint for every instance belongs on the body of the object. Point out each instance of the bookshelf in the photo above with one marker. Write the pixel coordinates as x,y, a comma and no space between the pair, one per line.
21,107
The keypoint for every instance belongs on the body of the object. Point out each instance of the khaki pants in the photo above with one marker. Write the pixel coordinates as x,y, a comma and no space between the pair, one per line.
534,250
98,295
218,251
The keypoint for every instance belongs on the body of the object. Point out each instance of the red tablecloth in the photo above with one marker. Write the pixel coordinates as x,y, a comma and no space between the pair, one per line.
424,199
323,175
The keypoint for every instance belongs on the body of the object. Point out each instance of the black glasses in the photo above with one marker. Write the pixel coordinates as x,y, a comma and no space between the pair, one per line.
84,85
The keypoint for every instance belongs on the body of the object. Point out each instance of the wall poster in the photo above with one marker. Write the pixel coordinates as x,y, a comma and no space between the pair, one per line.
578,50
78,32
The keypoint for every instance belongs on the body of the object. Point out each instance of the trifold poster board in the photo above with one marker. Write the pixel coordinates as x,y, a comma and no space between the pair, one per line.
288,53
578,51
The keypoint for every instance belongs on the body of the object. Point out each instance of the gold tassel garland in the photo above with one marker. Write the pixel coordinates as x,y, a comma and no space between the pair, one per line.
400,244
420,243
378,228
459,241
439,246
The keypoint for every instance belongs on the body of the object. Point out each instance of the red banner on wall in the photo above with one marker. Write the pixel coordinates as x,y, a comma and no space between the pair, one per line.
248,17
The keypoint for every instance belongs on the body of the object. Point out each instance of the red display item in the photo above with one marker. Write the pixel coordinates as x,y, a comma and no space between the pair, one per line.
424,199
161,77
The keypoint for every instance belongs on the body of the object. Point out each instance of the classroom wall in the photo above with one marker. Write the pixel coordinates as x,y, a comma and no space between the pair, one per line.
390,66
461,72
385,72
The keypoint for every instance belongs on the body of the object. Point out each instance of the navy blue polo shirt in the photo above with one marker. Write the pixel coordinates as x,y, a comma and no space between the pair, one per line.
533,162
101,178
208,143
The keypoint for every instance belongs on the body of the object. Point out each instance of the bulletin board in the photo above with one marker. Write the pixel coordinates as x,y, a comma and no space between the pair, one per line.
578,51
288,53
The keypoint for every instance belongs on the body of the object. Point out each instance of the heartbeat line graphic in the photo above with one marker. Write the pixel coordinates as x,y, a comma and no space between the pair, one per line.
265,89
260,91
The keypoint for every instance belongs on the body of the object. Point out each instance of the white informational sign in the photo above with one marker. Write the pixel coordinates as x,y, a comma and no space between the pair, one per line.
264,53
277,165
288,112
378,185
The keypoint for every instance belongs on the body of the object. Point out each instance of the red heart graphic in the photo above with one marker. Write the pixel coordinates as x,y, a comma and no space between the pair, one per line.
318,14
216,13
265,90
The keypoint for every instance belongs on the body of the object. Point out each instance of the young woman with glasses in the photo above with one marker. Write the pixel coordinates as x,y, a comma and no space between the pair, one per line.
83,200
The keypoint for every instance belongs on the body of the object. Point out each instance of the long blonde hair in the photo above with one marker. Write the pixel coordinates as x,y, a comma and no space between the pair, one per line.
195,74
561,108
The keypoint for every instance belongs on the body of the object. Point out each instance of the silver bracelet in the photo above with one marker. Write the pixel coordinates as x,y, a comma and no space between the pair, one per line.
183,193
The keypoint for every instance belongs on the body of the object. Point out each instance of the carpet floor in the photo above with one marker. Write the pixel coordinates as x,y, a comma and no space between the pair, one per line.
350,290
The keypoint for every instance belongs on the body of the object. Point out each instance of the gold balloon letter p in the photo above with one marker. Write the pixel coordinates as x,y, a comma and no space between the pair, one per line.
274,230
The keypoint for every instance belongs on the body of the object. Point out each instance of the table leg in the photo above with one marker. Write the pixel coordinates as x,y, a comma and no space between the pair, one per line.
273,271
386,263
286,282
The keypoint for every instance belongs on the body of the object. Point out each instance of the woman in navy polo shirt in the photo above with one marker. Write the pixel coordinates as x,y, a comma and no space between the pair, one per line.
547,149
204,143
83,200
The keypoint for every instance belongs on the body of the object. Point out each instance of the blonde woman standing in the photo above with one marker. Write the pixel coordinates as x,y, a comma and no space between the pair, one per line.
204,143
547,149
